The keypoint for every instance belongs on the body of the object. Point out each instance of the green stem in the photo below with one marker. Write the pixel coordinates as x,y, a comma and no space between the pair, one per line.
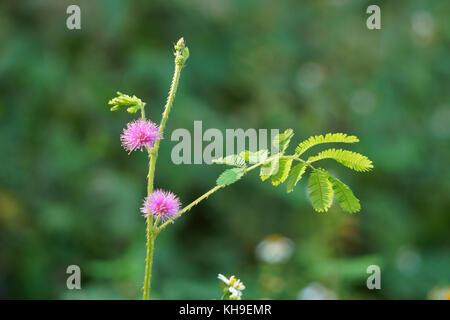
149,229
297,157
152,229
189,206
143,110
149,259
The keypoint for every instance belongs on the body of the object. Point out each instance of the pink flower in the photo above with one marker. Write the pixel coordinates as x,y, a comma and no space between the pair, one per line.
161,203
139,133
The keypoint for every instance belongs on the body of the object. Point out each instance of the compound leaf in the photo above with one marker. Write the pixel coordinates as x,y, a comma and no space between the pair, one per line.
352,160
329,138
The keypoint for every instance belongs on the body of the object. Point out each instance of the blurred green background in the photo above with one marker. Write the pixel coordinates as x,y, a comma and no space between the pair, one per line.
69,193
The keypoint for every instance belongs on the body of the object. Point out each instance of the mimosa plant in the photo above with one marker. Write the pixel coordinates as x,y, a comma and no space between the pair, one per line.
161,208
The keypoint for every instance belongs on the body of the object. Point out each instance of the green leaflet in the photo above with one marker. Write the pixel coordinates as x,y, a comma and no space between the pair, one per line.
268,169
320,191
329,138
254,157
283,171
230,176
350,159
344,195
231,160
281,141
294,176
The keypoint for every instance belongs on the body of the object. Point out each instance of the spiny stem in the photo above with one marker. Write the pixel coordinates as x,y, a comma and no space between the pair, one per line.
189,206
181,55
149,229
170,98
148,259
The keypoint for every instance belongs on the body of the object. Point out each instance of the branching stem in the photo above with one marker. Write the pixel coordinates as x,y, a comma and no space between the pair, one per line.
151,228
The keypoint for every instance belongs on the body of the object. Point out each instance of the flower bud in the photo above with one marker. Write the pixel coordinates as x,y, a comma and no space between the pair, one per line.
182,52
133,103
180,44
133,109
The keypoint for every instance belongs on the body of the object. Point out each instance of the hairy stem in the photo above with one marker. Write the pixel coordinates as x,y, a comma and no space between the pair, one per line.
151,230
191,205
149,259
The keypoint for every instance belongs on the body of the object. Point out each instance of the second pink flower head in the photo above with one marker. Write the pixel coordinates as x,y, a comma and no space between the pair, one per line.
161,203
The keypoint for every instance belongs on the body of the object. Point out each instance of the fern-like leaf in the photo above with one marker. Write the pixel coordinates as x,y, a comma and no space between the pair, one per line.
230,176
329,138
294,176
320,191
231,160
283,171
344,195
281,141
352,160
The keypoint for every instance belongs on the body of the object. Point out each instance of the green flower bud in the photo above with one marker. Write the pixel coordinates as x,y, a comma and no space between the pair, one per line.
133,109
179,60
132,103
180,45
181,53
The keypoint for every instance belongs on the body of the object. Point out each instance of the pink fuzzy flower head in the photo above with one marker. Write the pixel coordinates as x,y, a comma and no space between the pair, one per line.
139,133
163,204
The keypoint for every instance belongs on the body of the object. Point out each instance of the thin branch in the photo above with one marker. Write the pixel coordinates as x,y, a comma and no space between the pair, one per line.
211,191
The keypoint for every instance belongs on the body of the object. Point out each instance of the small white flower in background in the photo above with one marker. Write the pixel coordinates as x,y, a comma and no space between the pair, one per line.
422,24
234,287
275,249
232,282
316,291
